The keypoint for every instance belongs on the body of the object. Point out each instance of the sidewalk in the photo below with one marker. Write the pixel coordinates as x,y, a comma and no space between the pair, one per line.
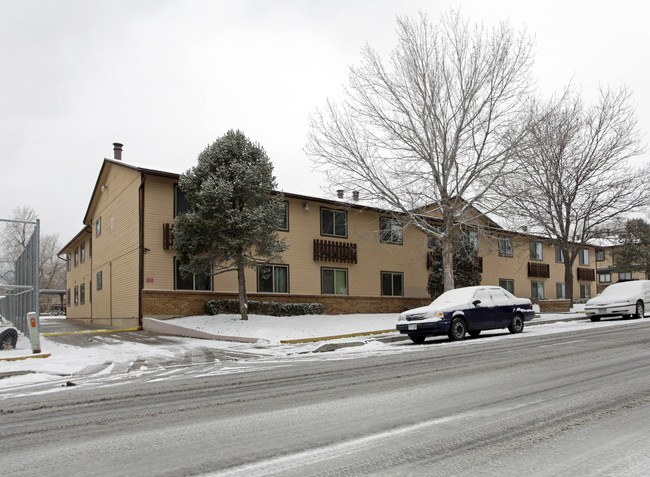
294,330
76,349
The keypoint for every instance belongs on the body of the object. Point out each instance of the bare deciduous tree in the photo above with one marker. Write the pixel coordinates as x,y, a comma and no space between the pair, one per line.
436,125
14,238
574,175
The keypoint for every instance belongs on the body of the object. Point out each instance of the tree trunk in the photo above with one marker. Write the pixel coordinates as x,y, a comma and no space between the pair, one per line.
243,298
568,279
448,261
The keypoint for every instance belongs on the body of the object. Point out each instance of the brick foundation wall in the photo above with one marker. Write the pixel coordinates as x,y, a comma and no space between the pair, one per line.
185,303
554,306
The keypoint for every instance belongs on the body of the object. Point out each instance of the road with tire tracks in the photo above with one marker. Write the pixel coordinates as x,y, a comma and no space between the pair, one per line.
574,403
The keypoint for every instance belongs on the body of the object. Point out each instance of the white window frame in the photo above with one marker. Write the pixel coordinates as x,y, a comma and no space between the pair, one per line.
505,247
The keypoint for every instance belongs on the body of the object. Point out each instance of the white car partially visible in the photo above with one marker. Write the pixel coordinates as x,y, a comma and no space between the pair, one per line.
624,299
8,334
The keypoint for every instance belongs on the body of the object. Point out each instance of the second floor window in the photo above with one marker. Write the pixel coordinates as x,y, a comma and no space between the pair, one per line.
536,250
605,277
76,257
285,221
82,252
98,227
505,247
559,256
584,256
390,230
99,280
333,222
181,204
600,255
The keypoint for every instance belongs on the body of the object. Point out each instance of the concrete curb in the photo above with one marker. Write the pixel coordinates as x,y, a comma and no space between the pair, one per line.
335,337
20,358
160,326
88,332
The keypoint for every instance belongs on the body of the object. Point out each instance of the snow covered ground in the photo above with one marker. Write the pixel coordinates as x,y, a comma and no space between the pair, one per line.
271,334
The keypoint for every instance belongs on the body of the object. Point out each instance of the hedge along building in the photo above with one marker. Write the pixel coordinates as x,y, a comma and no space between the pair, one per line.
352,258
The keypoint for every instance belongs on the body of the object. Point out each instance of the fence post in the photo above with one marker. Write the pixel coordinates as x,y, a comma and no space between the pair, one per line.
32,319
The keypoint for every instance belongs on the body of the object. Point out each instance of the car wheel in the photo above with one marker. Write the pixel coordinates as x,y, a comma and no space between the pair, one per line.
594,318
517,324
8,341
457,329
474,333
639,310
417,339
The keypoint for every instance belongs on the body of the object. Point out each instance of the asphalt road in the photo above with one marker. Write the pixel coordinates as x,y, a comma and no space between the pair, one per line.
557,404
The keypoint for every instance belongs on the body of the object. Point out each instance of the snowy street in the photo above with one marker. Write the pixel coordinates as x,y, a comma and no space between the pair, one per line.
559,399
100,358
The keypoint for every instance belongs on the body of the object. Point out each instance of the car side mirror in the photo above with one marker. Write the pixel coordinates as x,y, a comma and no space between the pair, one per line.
476,302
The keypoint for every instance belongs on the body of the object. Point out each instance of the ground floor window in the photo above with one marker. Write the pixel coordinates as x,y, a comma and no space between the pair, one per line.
537,290
196,281
392,284
334,281
507,284
624,276
273,279
585,291
605,277
82,293
67,297
76,295
560,290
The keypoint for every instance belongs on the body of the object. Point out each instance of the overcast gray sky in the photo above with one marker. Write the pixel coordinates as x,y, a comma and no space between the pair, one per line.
166,78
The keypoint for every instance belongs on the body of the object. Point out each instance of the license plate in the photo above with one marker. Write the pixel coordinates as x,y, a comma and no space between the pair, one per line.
602,310
413,327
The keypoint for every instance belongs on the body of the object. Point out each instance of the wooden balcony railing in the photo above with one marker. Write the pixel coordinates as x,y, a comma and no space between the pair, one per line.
586,274
168,236
329,251
539,270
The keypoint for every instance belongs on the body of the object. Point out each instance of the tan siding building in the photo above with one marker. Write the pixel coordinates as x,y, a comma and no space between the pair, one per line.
340,253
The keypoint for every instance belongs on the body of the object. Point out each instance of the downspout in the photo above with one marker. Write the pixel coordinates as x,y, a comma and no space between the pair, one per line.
141,248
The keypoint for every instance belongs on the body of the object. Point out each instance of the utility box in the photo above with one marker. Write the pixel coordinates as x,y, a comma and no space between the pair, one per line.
34,336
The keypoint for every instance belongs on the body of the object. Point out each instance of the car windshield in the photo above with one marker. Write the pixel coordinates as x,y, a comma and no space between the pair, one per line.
455,296
620,288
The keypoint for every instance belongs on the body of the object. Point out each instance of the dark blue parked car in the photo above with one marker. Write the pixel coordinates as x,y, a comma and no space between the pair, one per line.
467,310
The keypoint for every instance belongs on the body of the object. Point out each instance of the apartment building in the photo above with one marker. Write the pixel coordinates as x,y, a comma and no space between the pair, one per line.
352,258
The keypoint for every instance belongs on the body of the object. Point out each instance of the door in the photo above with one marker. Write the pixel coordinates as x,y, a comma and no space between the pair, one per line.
480,317
503,308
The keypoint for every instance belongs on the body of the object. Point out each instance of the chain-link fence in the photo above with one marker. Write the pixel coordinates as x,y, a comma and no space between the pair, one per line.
19,274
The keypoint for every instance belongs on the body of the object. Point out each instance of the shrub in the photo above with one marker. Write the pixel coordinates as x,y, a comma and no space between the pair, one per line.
231,306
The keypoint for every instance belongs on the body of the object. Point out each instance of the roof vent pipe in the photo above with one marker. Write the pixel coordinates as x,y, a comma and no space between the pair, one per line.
117,151
339,193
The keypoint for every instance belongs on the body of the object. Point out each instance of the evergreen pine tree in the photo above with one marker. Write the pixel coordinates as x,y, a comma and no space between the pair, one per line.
235,213
466,266
634,254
